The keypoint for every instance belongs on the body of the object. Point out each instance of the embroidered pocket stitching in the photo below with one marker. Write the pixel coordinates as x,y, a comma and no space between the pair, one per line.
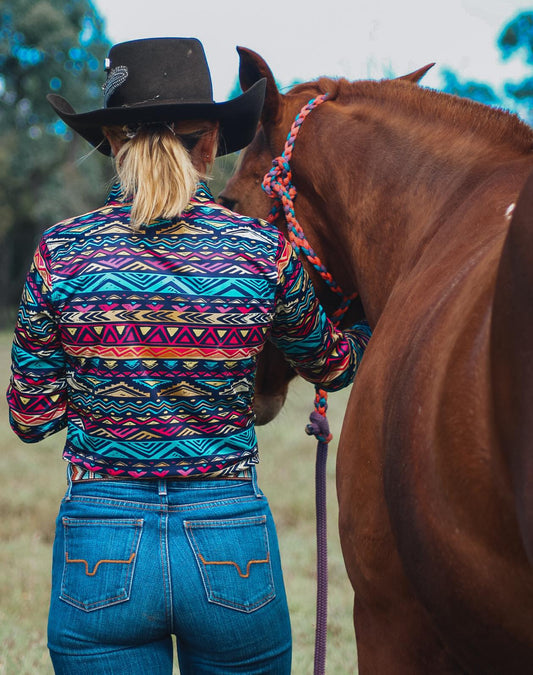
231,562
91,574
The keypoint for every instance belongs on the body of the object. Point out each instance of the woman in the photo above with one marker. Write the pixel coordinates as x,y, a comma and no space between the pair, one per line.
138,330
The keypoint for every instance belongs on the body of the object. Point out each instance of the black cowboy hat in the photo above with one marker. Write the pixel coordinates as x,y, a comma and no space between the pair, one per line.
163,80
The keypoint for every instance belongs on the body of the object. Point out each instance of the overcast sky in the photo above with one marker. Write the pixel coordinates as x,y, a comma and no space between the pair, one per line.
356,39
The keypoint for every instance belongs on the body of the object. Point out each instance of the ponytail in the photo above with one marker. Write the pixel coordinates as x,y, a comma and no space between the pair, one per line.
156,169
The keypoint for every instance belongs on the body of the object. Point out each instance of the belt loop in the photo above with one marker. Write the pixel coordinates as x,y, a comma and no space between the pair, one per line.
69,482
162,487
257,491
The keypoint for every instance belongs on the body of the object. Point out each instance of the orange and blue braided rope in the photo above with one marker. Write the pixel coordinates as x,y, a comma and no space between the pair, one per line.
277,183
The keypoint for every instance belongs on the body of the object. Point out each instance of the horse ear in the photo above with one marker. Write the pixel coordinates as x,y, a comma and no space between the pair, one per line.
416,75
253,68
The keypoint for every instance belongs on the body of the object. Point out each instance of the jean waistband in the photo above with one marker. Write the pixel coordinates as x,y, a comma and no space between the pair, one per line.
78,473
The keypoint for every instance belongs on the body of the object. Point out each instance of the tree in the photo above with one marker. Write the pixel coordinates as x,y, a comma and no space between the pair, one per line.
517,39
477,91
45,45
517,36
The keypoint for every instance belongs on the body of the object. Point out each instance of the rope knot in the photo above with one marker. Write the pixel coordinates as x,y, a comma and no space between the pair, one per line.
318,427
279,176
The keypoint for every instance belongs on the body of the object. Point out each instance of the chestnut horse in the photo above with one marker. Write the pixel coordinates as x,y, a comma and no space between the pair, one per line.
422,203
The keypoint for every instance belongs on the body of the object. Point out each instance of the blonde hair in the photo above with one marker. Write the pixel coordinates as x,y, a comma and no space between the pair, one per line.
156,169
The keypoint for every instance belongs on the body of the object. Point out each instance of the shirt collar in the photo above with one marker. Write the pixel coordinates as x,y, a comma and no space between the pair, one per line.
114,197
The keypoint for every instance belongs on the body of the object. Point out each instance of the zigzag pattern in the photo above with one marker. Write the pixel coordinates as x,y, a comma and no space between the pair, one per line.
188,263
109,282
182,337
221,317
162,449
158,331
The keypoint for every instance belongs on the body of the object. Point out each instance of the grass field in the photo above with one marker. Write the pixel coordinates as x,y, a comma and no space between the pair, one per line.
33,483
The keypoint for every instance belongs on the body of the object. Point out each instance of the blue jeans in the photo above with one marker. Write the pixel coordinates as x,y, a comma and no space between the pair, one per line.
136,562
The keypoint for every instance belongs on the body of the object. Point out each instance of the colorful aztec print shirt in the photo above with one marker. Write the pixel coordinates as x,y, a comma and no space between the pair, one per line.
144,343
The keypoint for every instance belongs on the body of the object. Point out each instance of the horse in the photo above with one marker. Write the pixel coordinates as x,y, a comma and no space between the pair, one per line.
422,203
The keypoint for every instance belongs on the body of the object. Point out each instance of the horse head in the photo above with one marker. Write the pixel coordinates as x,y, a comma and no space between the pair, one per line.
243,191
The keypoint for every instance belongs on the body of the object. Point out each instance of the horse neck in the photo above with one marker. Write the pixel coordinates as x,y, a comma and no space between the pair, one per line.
378,191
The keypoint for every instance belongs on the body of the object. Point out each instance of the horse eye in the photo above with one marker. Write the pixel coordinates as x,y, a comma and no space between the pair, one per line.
227,202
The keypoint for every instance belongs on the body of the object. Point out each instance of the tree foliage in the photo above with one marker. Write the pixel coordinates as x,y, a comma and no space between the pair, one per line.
45,45
517,36
477,91
515,40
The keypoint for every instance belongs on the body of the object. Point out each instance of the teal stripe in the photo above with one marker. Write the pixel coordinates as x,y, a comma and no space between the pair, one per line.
121,282
80,442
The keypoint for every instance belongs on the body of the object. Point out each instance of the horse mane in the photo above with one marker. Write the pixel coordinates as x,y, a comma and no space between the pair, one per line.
403,97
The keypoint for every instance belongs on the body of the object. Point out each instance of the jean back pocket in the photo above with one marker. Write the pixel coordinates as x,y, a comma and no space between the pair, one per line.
99,563
233,557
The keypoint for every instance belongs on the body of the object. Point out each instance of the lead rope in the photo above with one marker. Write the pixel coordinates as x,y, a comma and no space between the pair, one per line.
277,183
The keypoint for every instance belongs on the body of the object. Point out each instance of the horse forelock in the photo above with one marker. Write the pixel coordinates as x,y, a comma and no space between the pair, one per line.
403,98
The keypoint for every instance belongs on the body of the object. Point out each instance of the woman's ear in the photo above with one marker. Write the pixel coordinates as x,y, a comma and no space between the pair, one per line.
205,150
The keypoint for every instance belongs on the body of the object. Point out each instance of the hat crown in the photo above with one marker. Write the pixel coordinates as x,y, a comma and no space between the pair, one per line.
157,70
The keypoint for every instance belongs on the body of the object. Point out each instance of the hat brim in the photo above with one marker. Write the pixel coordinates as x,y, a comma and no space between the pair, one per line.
238,118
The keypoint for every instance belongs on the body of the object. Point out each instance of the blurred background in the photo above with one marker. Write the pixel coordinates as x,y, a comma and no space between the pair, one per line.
483,50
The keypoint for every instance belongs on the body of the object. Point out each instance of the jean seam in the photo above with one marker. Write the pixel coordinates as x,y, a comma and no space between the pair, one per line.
165,568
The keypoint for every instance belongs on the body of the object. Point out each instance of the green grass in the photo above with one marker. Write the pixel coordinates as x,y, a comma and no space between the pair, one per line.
33,482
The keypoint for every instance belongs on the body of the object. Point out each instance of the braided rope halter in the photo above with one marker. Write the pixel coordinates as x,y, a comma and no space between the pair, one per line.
277,184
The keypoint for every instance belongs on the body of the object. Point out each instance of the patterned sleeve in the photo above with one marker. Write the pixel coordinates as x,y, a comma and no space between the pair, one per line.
301,330
37,392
